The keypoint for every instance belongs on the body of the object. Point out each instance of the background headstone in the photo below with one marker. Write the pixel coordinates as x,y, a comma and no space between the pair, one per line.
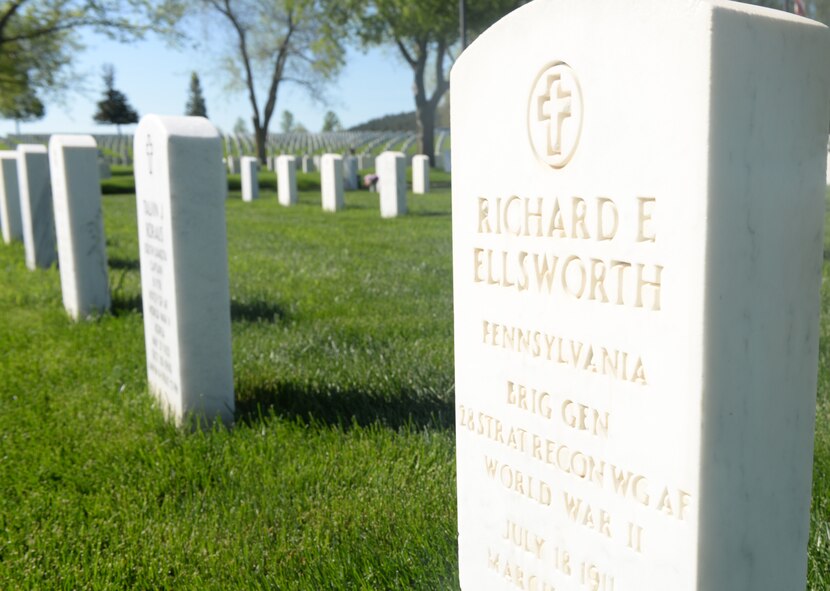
181,214
420,174
233,164
350,179
637,247
250,180
286,180
445,159
10,222
36,206
104,171
308,164
79,224
331,180
392,183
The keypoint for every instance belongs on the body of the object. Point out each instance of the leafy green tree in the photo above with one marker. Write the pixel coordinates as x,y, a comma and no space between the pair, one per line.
331,122
287,122
424,32
114,108
39,38
272,42
22,107
196,101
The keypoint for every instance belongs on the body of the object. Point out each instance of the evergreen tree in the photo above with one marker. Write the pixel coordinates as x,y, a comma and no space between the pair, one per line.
287,122
196,102
114,109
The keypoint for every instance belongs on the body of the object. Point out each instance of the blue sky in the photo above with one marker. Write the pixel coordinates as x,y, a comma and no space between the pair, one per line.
156,77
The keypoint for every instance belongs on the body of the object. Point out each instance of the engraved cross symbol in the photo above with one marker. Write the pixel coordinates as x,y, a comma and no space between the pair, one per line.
553,109
149,152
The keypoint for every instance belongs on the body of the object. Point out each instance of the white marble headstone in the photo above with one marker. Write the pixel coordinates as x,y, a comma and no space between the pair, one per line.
250,180
180,195
104,170
308,164
10,222
36,213
420,174
331,182
350,180
286,180
79,224
445,159
637,254
392,184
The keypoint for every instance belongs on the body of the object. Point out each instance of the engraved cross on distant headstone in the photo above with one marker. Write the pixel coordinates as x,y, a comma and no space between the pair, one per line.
553,110
149,152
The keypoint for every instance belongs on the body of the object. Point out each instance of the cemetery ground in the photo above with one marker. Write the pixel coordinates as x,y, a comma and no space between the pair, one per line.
339,472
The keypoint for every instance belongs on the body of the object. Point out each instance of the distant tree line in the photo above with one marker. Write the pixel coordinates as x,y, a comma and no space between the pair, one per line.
399,122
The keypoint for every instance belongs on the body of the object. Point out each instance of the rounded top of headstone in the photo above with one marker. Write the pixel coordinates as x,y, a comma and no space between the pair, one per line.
764,11
176,126
73,140
31,149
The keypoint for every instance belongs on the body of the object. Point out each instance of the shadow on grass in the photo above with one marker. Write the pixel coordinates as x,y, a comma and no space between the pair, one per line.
358,205
117,264
346,408
122,304
255,311
429,214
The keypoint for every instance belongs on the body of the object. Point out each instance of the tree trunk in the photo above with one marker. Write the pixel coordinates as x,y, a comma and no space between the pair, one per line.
261,136
425,115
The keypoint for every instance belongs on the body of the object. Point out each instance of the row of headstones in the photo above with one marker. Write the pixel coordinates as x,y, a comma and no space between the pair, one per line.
366,142
180,201
312,163
339,174
51,200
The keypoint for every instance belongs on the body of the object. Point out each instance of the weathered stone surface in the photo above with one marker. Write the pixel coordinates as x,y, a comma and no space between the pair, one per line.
638,196
180,195
36,214
79,224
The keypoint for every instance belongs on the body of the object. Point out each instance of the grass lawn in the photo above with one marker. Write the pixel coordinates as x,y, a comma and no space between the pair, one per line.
339,473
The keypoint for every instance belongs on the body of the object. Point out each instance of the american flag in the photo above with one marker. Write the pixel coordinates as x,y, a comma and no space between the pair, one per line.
799,8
